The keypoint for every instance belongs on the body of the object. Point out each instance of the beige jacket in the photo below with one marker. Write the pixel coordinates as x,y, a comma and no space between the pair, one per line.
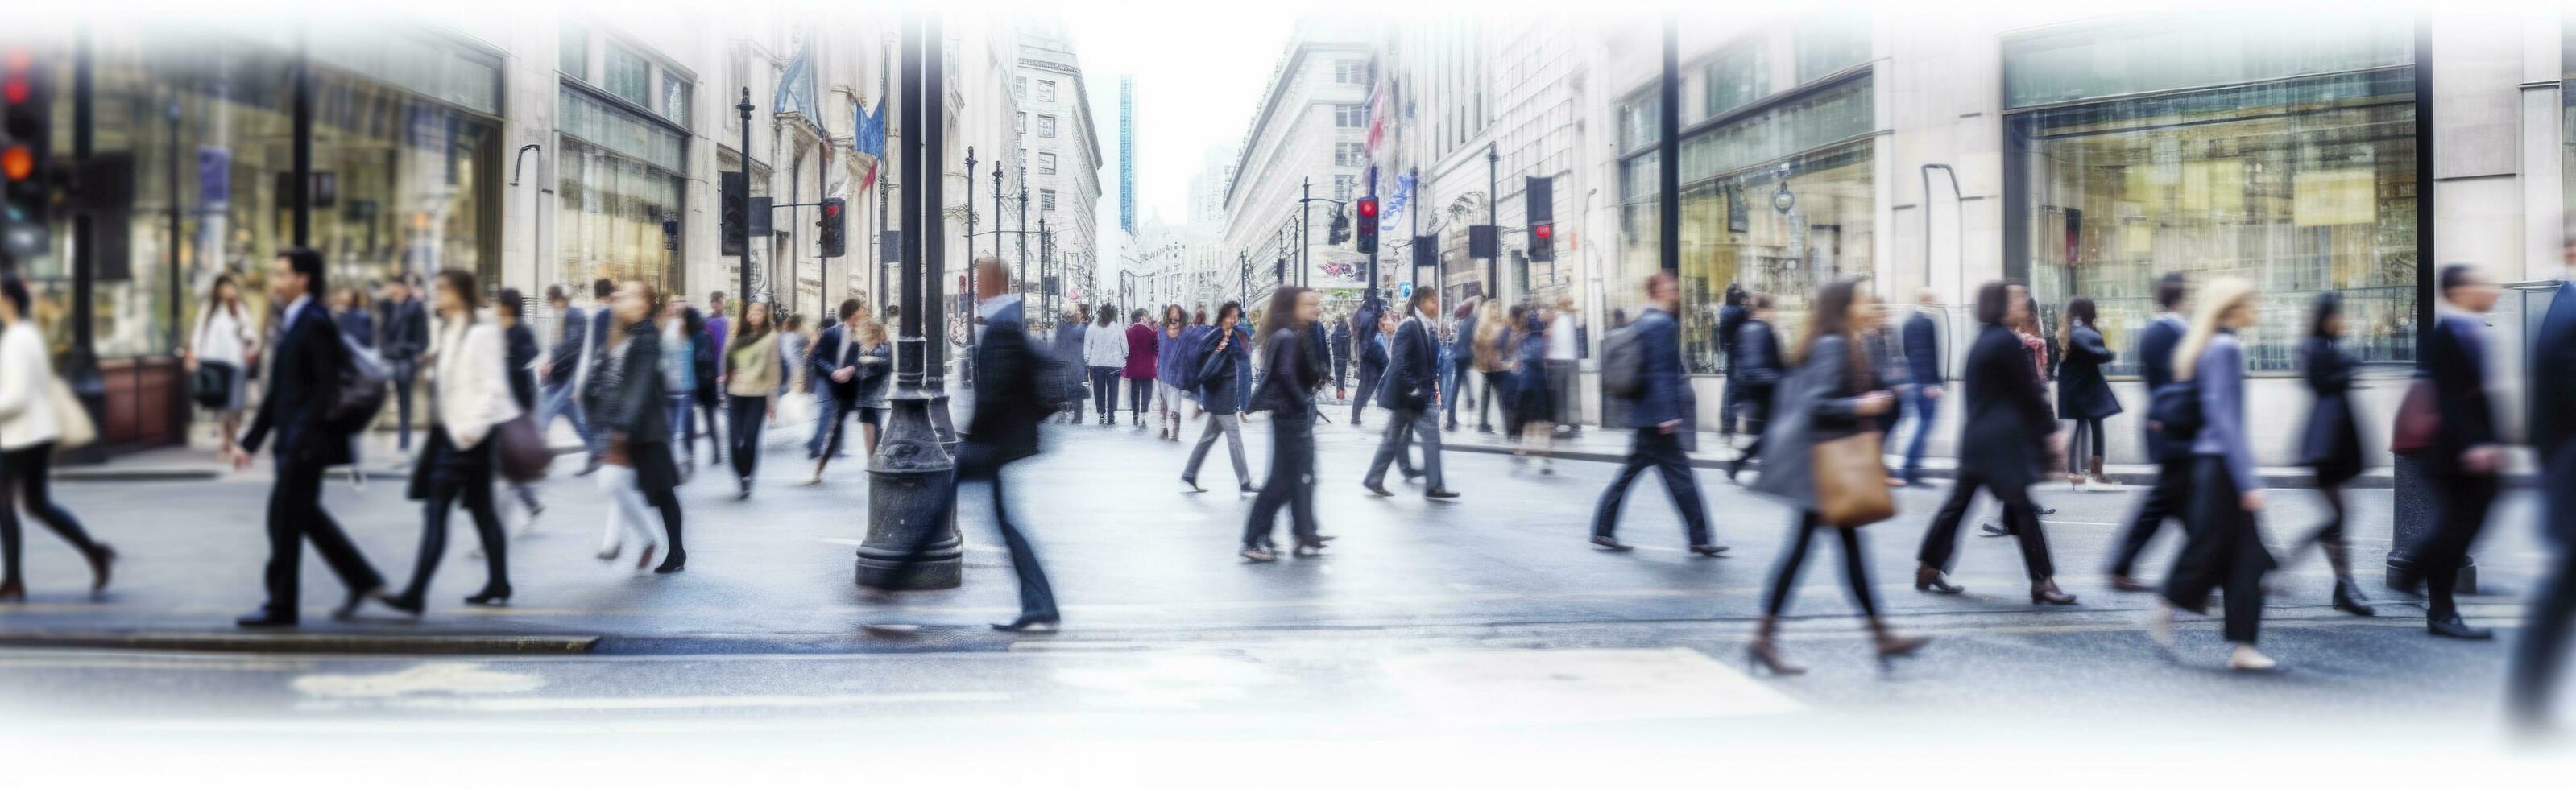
752,370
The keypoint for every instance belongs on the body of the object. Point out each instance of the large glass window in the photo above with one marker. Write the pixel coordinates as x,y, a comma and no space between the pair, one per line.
675,99
619,190
2299,186
627,75
572,56
2184,51
1737,77
1830,43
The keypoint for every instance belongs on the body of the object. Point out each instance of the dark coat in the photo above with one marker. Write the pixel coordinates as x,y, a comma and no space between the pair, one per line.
827,358
1341,349
2004,439
2331,444
2082,392
627,396
406,331
702,357
2155,363
1819,402
1730,325
2553,421
1221,372
1068,346
357,325
1757,359
1007,371
304,368
1922,350
521,342
1667,395
564,356
1289,376
1412,376
2454,356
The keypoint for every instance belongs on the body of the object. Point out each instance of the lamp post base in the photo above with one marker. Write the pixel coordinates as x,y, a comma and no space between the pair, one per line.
912,483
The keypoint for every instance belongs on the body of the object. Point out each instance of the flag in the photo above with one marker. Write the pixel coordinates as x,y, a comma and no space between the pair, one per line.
1396,203
869,140
1377,117
796,89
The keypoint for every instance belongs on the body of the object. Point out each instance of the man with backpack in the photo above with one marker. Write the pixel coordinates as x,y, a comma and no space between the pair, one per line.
308,366
2173,458
1643,364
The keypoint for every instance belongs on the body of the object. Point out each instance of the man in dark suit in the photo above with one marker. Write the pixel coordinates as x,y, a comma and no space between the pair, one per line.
2539,659
1341,358
1759,368
1410,389
834,367
1661,417
406,335
1371,354
560,372
1921,341
304,367
2173,459
1004,429
2467,452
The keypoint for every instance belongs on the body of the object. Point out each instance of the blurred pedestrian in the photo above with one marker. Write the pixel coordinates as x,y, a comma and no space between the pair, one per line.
1368,346
2172,489
1221,396
1139,369
2083,394
2331,444
1833,394
304,365
1495,360
853,359
225,344
30,431
1731,315
1104,351
1167,398
2225,548
1660,414
1070,333
1537,393
1922,347
679,370
469,394
405,336
1341,347
1462,359
2539,660
1409,390
629,401
1758,370
2467,452
1564,364
1004,429
560,370
752,382
1291,374
793,345
706,354
2008,438
519,345
352,313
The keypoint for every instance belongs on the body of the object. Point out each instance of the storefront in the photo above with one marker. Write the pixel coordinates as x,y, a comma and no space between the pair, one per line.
2276,152
620,194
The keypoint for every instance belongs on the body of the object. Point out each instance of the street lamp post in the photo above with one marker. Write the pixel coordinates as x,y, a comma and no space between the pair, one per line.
970,250
911,477
743,108
1024,235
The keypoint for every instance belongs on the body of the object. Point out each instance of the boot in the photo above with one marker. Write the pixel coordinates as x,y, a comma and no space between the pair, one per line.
1766,654
2100,478
1889,644
2347,595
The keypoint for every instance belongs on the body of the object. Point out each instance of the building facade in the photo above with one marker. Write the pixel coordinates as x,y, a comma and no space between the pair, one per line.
1061,155
1306,137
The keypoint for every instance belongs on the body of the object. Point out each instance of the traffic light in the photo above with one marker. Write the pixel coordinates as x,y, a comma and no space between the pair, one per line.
1368,225
1541,196
836,226
1340,230
26,126
733,209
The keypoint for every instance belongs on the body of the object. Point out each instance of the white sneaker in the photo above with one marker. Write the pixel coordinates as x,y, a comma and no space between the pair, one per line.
2160,624
2246,659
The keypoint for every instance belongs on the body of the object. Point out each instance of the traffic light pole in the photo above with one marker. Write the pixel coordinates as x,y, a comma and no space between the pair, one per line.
970,245
743,108
1305,240
1493,198
1024,237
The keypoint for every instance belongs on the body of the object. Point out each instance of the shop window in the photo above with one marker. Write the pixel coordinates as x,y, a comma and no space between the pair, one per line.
627,75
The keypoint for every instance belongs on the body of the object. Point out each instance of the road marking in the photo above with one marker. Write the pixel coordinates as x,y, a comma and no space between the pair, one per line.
600,703
448,677
1505,687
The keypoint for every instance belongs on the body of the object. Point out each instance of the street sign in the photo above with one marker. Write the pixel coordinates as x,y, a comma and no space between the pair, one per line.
1404,290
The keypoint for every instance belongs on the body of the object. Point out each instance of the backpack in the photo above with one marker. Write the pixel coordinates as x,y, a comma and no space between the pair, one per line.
2175,408
358,390
1623,363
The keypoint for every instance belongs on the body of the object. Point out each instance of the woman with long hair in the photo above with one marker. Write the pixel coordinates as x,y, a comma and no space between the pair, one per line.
469,385
2225,547
1167,406
628,399
225,340
2083,395
1220,396
29,429
2331,444
1289,380
1833,394
1493,351
2005,442
876,370
752,380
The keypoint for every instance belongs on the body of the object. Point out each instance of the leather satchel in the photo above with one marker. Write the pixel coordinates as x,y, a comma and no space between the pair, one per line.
1851,481
522,450
2418,419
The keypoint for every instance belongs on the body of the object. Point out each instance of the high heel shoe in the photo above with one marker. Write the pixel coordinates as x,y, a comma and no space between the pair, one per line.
102,560
2046,592
645,559
13,591
1889,646
673,562
2348,599
1930,579
492,596
1766,653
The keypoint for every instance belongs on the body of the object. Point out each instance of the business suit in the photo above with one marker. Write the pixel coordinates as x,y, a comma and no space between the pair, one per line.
2539,659
304,368
2170,493
1730,324
2002,446
837,349
1922,343
1759,367
1409,389
406,334
1666,398
2454,357
1003,429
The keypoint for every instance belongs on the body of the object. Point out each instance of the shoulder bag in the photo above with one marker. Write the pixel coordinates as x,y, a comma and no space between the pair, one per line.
1851,481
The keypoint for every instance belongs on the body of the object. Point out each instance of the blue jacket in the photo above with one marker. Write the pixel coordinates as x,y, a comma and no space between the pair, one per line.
1668,395
1923,350
2220,372
2155,363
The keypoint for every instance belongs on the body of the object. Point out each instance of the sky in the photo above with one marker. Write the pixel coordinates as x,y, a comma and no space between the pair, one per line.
1199,76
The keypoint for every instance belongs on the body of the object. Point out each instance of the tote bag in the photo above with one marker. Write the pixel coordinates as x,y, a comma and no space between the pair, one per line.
71,421
1851,481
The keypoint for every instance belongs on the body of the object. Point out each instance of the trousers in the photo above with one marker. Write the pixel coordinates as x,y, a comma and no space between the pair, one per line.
1231,427
2165,499
1653,448
1784,576
2225,551
1291,483
295,514
1941,541
24,483
456,474
1406,426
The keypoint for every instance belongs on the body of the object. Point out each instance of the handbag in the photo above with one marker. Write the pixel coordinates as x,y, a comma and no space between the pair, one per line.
2417,419
72,427
1851,481
522,450
212,384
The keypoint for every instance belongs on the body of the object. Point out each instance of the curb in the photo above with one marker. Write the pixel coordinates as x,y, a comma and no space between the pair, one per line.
2135,479
307,643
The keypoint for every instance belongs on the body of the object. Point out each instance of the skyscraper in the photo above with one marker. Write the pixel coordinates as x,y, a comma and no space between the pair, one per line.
1127,153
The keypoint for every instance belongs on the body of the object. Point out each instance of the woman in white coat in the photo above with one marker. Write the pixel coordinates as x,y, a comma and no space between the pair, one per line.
29,429
469,395
225,339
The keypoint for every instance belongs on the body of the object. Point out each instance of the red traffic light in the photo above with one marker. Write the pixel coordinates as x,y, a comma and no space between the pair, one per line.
17,162
1543,232
1368,208
17,89
831,209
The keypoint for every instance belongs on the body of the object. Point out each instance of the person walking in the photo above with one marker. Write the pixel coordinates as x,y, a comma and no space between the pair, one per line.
2083,395
793,345
2539,659
1139,369
2331,443
679,368
752,381
1104,350
1660,416
2172,489
1070,334
1368,346
817,368
1004,429
1922,345
1341,341
224,342
1167,353
1219,395
2225,548
1462,359
355,319
2008,438
406,335
1409,390
304,367
1495,359
629,400
1731,315
29,432
706,359
853,359
560,370
1291,375
1834,394
1536,409
519,344
469,394
1758,364
1564,365
2467,451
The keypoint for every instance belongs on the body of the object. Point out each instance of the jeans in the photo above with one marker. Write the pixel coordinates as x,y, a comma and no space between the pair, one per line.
466,474
1653,448
1231,425
744,417
559,401
975,466
1104,392
405,373
1369,375
683,424
1784,577
826,409
1454,386
23,484
1404,426
1291,483
1140,393
1922,408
